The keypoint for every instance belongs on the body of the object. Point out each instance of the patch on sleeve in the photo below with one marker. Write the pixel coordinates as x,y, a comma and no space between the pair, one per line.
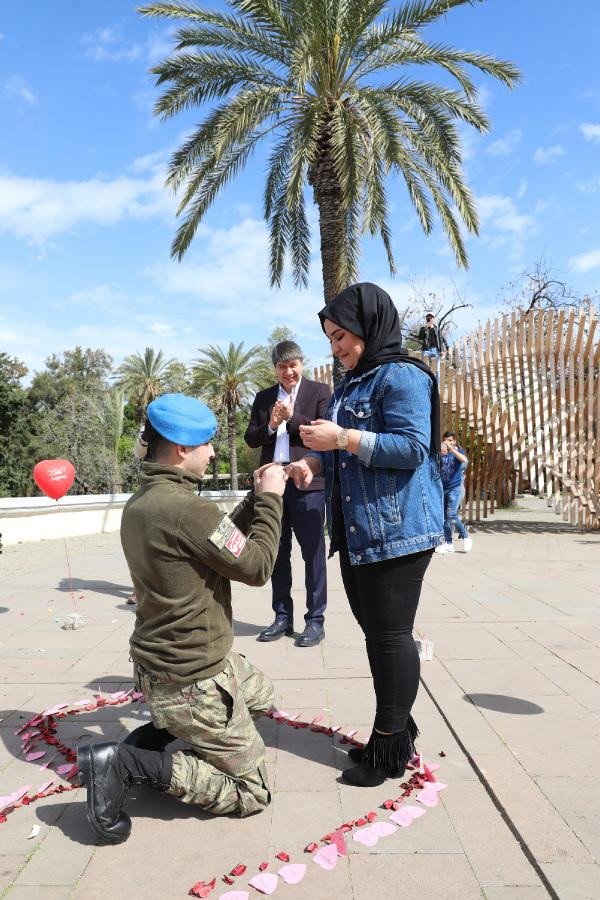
227,535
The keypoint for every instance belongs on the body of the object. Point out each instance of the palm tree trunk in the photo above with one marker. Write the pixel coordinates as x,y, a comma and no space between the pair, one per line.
328,198
215,472
232,436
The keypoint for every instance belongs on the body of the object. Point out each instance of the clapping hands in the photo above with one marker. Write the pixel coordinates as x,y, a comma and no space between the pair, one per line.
281,412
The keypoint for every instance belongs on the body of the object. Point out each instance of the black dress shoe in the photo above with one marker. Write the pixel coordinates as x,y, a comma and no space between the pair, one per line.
312,635
276,630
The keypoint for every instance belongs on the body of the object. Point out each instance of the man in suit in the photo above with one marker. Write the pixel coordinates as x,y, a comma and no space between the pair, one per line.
277,414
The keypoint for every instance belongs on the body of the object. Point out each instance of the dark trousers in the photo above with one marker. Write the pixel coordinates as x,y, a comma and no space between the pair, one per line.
384,597
303,514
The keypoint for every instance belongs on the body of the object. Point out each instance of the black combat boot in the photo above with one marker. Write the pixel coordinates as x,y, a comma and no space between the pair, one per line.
110,771
149,737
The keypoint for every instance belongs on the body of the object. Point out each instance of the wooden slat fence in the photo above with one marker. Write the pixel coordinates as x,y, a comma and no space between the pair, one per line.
522,394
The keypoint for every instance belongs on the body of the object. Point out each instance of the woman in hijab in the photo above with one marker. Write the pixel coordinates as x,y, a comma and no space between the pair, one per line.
378,447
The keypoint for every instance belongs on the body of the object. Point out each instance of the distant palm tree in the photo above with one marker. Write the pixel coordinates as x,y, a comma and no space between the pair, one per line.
143,378
228,378
311,76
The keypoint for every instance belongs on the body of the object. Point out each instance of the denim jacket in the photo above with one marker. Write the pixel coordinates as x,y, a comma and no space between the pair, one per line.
392,497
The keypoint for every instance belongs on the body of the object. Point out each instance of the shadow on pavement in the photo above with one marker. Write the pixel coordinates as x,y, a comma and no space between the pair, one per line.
245,629
98,587
502,703
524,527
3,609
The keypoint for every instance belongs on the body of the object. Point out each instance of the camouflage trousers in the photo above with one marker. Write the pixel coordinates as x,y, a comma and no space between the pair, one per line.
224,771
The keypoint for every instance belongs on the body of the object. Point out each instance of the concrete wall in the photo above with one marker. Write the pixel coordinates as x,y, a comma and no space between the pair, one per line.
39,518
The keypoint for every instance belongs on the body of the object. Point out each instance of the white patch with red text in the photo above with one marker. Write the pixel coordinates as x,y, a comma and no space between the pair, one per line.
236,543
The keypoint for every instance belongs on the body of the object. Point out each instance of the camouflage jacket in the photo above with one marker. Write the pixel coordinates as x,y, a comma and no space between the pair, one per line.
183,552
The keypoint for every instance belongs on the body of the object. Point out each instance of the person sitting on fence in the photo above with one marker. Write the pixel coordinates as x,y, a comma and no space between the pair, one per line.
454,461
432,340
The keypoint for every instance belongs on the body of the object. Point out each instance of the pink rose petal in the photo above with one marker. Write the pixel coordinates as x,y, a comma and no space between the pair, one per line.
117,695
435,786
277,714
335,728
234,895
294,717
31,757
67,770
326,857
433,766
265,882
406,815
138,695
292,873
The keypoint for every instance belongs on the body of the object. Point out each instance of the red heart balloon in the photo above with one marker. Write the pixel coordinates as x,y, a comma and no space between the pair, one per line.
54,477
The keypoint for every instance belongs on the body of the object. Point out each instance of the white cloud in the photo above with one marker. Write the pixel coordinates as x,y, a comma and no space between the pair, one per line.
591,186
506,145
38,209
591,132
585,262
544,156
522,188
18,88
109,45
501,213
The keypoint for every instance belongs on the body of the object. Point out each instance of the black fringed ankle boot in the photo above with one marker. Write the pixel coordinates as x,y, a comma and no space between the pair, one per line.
359,754
384,756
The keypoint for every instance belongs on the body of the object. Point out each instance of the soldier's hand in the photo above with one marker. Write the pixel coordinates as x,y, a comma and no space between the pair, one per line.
303,471
270,477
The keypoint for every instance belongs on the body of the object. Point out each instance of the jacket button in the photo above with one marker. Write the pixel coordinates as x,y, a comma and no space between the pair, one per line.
360,414
347,499
352,528
343,465
358,558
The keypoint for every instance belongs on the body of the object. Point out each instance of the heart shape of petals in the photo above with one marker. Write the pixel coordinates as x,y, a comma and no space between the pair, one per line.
292,873
368,836
384,829
326,857
406,815
265,882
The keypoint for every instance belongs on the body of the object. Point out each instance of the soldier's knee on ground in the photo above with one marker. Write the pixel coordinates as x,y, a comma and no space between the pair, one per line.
194,781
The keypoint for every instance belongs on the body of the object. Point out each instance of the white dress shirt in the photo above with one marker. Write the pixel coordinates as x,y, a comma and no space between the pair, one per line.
282,442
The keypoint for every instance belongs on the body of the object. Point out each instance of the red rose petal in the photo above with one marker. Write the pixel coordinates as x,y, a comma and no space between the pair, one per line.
310,848
202,888
327,837
228,880
371,816
284,857
442,753
238,870
263,866
360,822
387,804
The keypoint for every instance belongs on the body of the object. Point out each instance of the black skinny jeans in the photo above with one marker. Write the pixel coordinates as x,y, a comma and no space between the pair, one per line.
384,597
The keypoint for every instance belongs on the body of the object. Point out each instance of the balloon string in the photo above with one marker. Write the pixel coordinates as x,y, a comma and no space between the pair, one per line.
70,576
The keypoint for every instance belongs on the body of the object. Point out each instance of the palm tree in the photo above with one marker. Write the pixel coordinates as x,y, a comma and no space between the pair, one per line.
229,379
144,377
330,85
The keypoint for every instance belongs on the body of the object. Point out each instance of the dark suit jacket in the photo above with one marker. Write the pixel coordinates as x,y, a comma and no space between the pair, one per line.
311,403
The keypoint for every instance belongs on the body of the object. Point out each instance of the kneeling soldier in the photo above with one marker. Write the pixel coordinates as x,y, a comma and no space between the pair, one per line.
182,552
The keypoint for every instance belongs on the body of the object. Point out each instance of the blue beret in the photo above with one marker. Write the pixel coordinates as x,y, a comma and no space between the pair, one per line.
182,420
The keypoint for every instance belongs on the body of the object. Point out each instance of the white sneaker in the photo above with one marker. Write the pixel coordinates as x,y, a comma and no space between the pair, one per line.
466,544
444,548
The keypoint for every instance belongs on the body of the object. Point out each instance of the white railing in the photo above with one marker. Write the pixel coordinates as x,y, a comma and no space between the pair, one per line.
39,518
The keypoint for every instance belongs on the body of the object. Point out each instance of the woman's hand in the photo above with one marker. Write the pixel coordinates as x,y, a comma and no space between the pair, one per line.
320,435
270,477
303,471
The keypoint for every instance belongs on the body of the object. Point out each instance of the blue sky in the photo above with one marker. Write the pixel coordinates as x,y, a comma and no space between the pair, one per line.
86,226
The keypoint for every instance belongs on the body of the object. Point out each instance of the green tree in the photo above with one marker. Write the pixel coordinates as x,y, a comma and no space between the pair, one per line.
144,378
227,379
83,371
16,447
331,85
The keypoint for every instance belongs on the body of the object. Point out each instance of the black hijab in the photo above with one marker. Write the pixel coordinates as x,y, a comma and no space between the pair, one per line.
368,312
